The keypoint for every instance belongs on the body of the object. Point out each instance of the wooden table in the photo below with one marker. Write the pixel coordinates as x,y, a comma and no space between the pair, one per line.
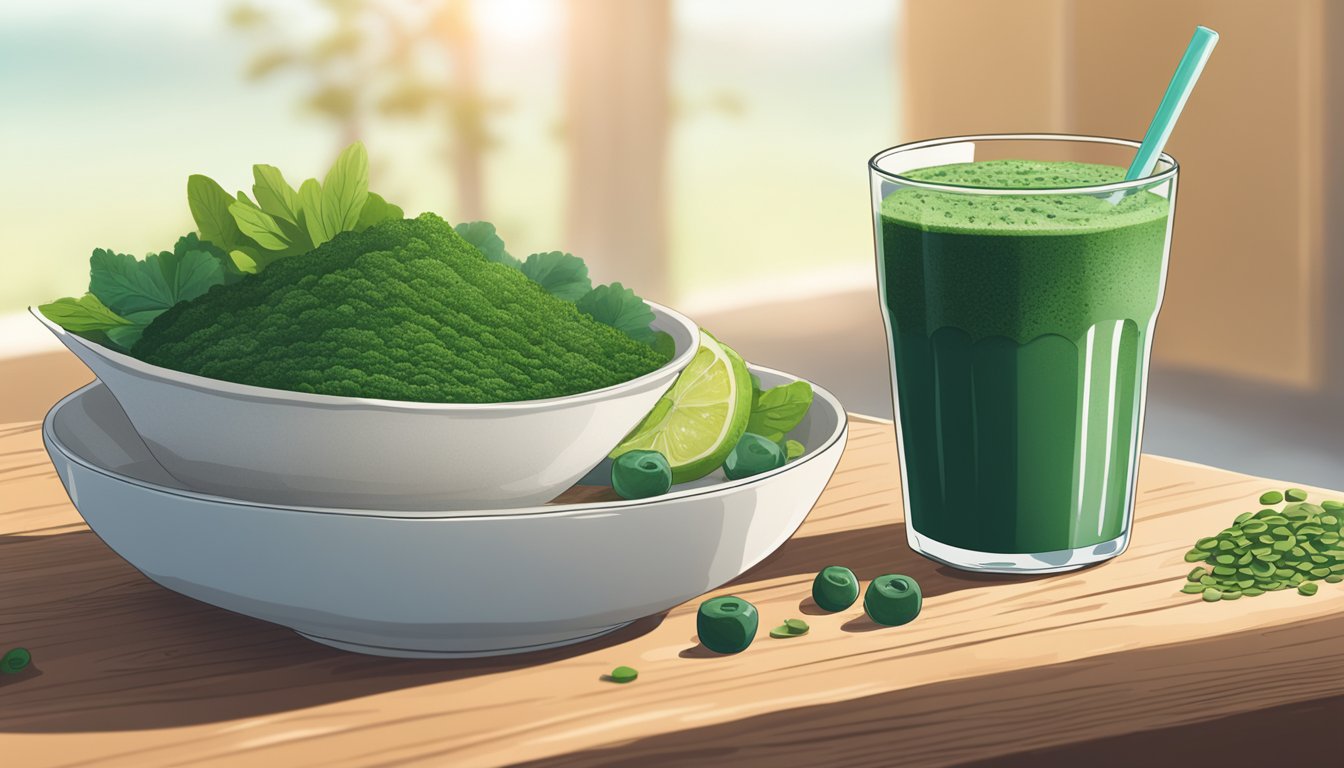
128,674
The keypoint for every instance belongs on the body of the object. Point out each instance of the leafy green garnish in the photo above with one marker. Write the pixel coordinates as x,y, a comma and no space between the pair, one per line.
482,234
620,308
563,275
127,285
82,315
664,344
777,410
283,222
792,450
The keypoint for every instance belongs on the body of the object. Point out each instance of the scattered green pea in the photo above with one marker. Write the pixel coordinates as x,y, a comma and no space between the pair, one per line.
835,588
726,624
640,474
623,674
1307,588
893,600
753,455
1271,550
15,660
796,625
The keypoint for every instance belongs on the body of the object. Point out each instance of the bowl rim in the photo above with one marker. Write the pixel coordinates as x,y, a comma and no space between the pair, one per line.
577,509
205,384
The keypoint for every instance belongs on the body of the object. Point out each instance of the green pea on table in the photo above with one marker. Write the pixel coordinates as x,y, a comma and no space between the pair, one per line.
835,588
726,624
893,600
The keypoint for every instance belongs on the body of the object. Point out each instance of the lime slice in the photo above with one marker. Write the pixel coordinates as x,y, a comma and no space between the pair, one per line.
698,421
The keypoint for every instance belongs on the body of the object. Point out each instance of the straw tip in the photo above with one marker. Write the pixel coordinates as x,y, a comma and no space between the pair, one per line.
1203,31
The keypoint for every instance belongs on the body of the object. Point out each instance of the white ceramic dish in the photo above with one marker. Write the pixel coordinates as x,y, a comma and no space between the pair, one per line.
289,448
447,586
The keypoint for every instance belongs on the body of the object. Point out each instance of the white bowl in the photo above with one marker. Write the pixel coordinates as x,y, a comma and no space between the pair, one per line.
414,585
280,447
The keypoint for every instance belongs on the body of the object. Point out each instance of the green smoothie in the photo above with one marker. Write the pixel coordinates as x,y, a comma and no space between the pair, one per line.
1019,332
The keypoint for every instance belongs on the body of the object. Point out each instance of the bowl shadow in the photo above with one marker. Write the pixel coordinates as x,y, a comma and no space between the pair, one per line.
114,651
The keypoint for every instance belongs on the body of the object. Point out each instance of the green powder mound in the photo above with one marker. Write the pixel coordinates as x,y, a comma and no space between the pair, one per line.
405,310
1065,214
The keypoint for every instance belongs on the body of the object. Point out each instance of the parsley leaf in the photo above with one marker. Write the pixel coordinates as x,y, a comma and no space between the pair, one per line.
482,235
779,409
620,308
563,275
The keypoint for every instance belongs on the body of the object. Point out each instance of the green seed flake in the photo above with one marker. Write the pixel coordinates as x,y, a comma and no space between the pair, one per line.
1333,578
623,674
1252,592
1270,497
1212,595
1232,594
1307,588
797,625
1295,494
1332,505
1207,544
1243,517
1192,588
1195,556
782,632
1196,574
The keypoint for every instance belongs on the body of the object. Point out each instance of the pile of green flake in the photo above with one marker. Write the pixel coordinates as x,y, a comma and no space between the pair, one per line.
404,310
1272,549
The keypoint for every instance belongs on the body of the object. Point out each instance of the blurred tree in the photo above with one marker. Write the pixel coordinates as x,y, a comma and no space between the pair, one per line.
398,58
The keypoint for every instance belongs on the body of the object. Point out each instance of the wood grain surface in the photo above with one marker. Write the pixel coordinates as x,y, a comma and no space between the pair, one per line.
126,673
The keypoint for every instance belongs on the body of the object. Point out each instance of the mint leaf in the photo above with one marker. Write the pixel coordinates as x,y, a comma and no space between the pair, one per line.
377,210
779,409
793,449
620,308
127,286
664,344
125,336
482,235
123,283
260,226
344,191
187,275
274,195
82,315
209,205
563,275
190,242
310,202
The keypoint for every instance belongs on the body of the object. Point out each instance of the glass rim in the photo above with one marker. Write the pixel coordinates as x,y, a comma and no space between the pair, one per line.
1116,186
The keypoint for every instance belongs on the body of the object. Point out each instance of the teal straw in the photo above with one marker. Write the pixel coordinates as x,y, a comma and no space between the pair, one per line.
1173,101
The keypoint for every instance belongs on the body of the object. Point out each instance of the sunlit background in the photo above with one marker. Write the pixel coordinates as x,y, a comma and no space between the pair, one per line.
709,153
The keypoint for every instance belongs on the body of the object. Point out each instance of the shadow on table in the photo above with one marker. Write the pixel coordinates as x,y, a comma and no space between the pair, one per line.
114,651
869,553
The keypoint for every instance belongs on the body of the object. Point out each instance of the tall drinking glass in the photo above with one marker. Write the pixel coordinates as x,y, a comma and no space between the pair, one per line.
1021,278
